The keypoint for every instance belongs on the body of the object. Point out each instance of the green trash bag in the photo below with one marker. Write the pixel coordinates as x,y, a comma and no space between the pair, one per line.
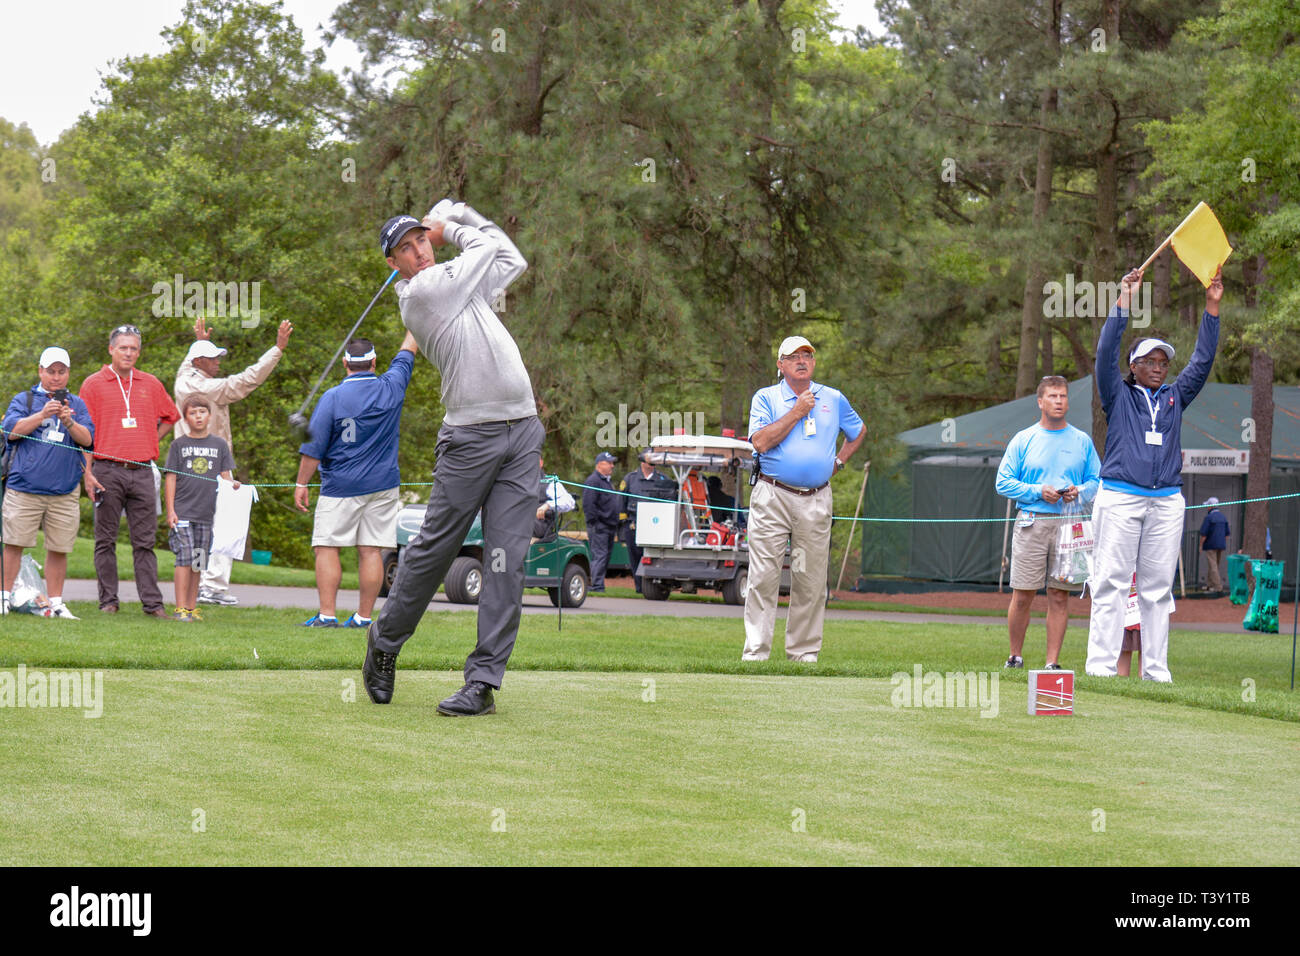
1238,582
1262,614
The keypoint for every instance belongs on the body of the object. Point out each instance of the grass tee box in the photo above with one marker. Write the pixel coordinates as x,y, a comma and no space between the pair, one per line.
579,768
248,740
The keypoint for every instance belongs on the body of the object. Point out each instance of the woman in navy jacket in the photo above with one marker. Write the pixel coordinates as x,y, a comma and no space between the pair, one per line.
1138,514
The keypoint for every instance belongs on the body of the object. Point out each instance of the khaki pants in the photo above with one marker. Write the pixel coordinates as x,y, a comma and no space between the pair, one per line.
776,516
1213,579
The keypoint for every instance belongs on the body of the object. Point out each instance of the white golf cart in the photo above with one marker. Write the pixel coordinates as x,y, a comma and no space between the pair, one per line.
682,549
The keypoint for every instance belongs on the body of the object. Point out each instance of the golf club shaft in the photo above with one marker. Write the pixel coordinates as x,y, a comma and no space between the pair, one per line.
344,344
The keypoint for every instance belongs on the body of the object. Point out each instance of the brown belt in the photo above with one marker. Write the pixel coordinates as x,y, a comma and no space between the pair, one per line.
128,465
791,488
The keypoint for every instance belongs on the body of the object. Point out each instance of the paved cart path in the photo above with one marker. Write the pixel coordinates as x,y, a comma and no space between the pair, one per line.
536,602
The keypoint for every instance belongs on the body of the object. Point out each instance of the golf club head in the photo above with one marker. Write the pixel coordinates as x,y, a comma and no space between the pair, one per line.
299,421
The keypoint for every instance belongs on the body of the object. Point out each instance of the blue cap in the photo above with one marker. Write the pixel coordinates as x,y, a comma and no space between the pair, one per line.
394,230
605,456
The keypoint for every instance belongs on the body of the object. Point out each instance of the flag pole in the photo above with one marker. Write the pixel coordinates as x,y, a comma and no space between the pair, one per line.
1151,258
1295,614
866,470
1006,529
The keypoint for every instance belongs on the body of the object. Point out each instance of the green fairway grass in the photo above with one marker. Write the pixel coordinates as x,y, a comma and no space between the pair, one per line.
258,767
634,740
1208,668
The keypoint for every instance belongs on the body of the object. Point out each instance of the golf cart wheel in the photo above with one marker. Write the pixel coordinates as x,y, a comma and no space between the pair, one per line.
390,572
734,591
655,589
464,580
573,588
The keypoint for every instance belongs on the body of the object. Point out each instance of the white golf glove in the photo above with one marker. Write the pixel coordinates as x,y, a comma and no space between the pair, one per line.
448,210
467,215
443,210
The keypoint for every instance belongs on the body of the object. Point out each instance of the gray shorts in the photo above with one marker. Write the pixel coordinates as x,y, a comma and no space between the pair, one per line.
190,541
1033,549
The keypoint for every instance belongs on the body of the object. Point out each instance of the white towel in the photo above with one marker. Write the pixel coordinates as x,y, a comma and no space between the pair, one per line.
230,523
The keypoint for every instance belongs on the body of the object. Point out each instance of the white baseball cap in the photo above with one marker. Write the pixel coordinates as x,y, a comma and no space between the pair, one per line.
1150,345
54,354
1211,501
204,349
793,344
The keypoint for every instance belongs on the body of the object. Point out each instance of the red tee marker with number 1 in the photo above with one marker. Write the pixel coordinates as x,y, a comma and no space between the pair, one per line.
1051,693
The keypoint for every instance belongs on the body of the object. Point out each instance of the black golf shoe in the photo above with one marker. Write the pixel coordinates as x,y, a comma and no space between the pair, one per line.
377,671
473,699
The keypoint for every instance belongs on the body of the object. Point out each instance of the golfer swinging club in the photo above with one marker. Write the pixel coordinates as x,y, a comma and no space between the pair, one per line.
487,448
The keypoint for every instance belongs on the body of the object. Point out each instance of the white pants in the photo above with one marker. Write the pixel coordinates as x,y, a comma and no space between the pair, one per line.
1133,532
217,574
776,516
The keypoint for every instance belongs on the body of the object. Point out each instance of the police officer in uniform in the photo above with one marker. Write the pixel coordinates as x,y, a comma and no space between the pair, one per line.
639,484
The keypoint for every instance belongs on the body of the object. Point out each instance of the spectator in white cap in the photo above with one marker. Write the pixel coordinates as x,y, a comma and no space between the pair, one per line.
48,428
794,426
198,375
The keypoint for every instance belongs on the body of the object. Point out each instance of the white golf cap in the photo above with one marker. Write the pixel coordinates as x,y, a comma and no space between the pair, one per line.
54,354
1150,345
1211,501
204,349
793,344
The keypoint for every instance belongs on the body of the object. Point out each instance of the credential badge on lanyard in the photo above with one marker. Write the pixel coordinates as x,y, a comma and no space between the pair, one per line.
128,421
1153,437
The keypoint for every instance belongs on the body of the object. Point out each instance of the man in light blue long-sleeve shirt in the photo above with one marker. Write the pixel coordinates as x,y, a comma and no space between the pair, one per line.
1045,467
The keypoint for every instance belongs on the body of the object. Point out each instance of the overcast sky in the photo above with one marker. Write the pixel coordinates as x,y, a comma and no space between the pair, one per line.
51,58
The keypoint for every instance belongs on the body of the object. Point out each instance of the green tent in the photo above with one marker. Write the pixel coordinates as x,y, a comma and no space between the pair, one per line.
951,466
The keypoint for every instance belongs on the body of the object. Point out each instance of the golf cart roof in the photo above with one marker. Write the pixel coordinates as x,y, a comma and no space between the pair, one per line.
712,452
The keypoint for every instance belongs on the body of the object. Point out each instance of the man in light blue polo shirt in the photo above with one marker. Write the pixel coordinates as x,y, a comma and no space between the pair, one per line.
793,426
352,439
1045,467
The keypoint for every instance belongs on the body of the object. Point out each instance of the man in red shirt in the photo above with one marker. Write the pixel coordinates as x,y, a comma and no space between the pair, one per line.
131,411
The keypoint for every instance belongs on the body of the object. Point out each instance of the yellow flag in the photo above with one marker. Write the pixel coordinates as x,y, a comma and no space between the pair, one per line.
1200,242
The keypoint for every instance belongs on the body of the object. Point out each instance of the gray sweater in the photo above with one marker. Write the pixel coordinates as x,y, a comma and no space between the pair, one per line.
446,308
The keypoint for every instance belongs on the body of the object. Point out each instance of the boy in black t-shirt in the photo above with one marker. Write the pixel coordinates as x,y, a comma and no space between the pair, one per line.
193,464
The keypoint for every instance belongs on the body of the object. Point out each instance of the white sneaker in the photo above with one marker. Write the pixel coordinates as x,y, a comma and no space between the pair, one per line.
61,610
212,596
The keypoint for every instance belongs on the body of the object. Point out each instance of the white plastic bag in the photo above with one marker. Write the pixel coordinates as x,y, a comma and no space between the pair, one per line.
1074,543
28,595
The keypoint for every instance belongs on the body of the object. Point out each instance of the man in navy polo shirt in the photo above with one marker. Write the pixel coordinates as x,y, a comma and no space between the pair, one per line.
44,475
352,439
793,426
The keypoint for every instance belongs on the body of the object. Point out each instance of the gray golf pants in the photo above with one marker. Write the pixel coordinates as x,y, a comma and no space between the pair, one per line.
493,467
